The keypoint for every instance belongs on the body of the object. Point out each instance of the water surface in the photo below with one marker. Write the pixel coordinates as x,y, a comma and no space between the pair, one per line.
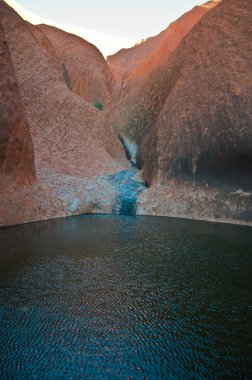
115,297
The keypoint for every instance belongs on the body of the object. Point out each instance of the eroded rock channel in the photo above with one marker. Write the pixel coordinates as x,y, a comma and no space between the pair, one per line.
128,185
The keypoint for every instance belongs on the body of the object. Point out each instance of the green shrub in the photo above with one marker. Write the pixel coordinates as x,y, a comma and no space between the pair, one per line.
98,105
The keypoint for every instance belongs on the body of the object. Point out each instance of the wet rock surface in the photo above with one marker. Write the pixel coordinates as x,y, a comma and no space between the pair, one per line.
128,186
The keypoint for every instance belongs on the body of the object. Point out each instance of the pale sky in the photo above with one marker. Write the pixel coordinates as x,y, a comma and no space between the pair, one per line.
109,24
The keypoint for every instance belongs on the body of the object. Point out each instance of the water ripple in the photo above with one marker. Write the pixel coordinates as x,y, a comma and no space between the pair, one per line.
105,297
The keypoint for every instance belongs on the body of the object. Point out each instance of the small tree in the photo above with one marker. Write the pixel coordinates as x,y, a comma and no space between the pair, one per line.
98,105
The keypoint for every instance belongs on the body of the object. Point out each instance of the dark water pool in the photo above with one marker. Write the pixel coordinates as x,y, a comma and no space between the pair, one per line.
113,297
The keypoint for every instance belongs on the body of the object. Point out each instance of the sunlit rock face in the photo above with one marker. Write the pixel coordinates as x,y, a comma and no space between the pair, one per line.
84,69
16,149
192,121
72,144
135,64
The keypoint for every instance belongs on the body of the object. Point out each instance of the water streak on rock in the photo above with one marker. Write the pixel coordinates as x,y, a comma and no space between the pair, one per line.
127,188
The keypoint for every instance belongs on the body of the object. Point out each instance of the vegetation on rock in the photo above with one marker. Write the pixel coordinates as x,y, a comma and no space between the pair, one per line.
98,105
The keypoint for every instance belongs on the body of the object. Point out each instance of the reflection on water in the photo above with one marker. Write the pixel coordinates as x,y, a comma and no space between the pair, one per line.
105,297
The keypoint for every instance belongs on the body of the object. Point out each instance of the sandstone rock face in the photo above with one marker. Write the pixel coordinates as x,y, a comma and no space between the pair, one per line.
72,145
187,124
63,126
125,61
192,119
16,149
174,34
83,67
196,200
204,117
135,64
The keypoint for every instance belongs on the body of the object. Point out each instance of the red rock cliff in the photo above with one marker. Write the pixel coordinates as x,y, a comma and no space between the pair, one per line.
192,120
16,149
202,122
83,66
135,64
73,146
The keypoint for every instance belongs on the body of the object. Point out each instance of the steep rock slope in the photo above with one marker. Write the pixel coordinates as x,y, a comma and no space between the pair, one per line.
174,34
72,145
16,149
192,120
204,123
125,61
134,64
83,66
